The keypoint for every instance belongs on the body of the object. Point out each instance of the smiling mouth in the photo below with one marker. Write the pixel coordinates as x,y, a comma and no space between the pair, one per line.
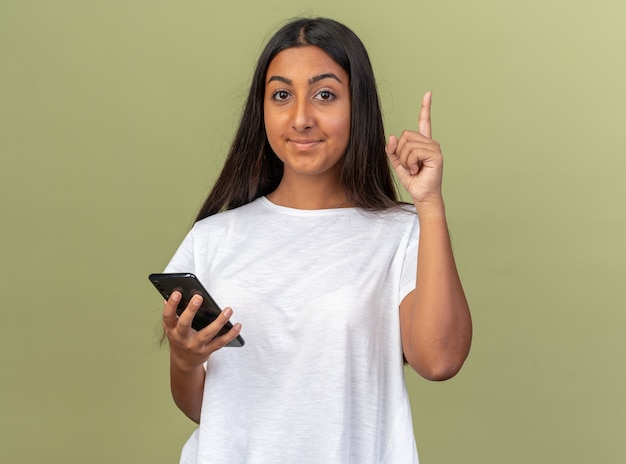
304,144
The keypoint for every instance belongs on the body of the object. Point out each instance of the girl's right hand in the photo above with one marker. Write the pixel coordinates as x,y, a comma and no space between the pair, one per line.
190,348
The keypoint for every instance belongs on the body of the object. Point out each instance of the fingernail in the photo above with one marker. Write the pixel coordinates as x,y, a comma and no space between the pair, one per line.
227,313
196,300
175,296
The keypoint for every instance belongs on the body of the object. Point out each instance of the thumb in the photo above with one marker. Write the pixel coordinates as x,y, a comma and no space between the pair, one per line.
391,146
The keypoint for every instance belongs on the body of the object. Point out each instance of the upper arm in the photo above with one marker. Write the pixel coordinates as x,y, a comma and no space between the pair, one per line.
406,315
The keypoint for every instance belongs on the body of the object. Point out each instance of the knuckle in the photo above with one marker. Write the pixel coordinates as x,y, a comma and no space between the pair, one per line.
220,343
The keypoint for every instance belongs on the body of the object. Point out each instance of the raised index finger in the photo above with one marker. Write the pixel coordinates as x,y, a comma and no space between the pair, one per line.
423,123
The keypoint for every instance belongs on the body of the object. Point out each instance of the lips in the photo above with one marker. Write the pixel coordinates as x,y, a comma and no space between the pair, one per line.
304,144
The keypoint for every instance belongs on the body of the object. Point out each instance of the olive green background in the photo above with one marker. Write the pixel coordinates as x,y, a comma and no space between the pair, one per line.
114,120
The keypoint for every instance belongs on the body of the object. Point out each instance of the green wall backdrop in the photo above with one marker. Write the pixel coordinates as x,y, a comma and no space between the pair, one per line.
115,117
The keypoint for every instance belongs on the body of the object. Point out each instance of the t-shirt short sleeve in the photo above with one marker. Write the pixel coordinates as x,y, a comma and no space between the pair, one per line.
183,259
409,265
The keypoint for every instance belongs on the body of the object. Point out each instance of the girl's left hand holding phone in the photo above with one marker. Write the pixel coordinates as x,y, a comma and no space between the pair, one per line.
190,348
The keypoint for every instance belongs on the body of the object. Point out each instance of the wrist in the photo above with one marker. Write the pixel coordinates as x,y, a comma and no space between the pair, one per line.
430,209
184,367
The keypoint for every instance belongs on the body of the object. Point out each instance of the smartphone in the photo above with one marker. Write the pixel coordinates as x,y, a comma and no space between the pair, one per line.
189,285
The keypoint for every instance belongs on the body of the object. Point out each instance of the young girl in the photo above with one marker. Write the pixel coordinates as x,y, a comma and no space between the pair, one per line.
304,237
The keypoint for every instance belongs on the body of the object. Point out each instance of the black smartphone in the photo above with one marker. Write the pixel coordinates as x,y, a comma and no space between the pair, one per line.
189,285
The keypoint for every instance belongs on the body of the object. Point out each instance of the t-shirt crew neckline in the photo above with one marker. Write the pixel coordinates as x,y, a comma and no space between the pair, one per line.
303,212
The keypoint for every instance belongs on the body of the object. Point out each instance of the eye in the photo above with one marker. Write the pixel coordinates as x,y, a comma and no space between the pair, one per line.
280,95
325,95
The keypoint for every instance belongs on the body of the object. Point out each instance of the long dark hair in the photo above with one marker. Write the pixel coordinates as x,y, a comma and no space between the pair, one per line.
252,169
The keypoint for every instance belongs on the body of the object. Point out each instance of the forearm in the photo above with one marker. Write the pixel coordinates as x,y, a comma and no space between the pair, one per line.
436,323
187,387
190,349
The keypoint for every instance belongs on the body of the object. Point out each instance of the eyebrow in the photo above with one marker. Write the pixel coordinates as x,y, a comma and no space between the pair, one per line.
312,80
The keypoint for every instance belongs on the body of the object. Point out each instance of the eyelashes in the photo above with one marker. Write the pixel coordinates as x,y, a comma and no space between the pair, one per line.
325,95
280,95
322,95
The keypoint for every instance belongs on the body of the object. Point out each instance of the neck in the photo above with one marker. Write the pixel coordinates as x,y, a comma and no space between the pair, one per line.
309,195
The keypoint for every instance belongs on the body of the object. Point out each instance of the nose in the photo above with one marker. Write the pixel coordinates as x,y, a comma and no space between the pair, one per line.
302,117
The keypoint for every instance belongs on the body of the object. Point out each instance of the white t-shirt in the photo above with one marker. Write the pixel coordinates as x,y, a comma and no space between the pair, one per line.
320,378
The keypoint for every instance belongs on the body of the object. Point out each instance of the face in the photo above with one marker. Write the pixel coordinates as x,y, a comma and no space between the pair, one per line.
307,112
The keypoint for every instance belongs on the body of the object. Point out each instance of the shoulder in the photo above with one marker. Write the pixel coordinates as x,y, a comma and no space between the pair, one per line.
228,217
402,217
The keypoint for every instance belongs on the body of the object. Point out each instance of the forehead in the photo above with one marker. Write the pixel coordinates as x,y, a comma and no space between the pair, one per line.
305,62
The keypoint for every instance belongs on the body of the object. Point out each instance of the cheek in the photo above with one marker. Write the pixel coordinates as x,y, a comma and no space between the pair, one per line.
339,124
273,132
340,128
275,119
270,125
